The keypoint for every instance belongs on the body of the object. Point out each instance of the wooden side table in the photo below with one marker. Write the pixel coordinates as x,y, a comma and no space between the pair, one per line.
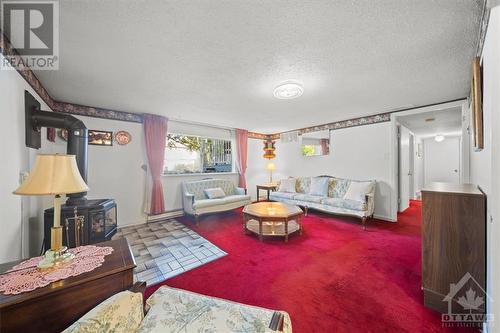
266,187
55,307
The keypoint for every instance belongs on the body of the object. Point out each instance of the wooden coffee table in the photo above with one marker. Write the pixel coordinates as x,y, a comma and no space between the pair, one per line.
272,219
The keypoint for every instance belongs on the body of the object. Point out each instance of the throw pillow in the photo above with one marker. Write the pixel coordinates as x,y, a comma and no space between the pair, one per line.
214,193
287,185
319,186
332,183
358,190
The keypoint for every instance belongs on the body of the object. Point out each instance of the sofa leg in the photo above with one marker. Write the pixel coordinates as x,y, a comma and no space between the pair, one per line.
363,222
197,220
305,210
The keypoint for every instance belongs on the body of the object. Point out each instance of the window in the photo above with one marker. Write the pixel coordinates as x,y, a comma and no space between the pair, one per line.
195,154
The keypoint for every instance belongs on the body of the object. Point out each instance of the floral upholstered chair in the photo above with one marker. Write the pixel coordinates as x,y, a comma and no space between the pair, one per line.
172,310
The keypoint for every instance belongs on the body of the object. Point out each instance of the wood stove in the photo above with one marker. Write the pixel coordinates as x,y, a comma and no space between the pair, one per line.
86,222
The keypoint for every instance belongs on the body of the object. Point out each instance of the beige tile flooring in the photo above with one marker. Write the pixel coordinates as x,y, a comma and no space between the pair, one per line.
165,249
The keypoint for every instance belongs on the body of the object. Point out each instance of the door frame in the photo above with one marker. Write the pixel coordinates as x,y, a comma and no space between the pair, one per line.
410,168
394,156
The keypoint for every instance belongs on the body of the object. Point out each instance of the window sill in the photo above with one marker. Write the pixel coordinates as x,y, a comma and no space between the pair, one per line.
206,174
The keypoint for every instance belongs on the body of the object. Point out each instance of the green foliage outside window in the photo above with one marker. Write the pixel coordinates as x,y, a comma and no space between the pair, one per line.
308,150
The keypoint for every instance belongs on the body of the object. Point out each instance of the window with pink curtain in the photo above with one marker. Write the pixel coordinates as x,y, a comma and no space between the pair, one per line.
242,144
155,132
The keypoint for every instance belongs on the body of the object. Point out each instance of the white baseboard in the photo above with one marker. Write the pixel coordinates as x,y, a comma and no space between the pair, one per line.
384,218
167,215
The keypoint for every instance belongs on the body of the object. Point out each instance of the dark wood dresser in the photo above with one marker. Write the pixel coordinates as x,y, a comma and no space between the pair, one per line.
453,244
54,307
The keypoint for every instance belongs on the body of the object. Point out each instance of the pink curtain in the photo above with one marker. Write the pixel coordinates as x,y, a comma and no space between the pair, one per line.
324,146
155,131
242,143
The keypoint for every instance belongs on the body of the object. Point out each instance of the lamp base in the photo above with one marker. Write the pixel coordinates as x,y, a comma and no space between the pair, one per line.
57,258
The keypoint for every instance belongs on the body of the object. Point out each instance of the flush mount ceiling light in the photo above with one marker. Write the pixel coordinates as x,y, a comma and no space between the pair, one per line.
439,138
289,89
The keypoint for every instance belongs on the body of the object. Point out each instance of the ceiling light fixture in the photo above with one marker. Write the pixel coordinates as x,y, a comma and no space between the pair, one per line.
289,89
439,138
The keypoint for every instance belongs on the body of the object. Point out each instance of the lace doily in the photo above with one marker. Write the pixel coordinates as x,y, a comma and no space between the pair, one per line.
26,277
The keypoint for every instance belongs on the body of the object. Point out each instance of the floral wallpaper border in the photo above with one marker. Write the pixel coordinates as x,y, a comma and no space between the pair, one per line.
368,120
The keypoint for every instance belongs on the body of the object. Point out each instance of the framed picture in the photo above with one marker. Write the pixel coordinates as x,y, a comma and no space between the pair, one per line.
477,105
100,138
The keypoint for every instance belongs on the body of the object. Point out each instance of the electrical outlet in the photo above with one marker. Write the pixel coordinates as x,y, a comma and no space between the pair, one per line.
22,176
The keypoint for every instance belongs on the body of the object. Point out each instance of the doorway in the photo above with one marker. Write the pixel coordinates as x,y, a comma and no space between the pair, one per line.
429,150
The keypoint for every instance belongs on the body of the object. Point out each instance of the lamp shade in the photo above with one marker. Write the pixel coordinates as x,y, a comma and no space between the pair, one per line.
271,167
53,174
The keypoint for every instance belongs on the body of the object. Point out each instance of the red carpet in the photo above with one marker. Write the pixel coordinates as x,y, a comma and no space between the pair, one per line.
334,278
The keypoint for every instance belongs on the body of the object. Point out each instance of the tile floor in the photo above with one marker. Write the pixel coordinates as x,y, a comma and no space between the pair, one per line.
165,249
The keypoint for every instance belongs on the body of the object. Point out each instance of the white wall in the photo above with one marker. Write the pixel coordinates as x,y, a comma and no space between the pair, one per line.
358,152
15,159
485,165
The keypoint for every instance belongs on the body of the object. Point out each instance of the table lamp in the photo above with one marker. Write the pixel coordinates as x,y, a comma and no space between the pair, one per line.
271,167
54,174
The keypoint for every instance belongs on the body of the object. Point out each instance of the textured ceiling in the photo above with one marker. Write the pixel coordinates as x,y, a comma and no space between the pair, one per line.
217,62
448,121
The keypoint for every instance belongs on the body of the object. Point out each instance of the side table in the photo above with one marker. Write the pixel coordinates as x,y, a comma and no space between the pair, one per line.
266,187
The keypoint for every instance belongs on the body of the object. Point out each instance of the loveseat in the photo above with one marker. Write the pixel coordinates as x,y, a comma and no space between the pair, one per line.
360,202
196,202
171,310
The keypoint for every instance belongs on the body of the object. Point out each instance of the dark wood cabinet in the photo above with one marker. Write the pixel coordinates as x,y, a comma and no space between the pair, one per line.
453,246
56,306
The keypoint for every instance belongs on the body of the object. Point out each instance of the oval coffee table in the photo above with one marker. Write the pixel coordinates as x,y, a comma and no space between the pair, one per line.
272,219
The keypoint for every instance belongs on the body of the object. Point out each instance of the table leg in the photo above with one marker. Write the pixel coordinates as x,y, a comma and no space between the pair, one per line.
260,230
286,231
299,221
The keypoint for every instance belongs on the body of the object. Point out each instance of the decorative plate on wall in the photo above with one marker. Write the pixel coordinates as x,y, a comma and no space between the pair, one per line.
123,137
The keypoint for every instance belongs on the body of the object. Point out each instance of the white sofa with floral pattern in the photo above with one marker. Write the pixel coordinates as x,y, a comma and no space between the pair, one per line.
196,202
334,202
171,310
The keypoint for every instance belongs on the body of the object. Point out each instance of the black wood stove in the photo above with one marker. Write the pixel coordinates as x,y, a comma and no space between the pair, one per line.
87,222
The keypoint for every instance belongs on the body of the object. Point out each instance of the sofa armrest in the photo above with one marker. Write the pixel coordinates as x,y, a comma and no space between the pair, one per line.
241,191
139,287
188,202
108,316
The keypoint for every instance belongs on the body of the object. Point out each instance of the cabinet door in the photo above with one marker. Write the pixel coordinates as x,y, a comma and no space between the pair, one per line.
453,242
